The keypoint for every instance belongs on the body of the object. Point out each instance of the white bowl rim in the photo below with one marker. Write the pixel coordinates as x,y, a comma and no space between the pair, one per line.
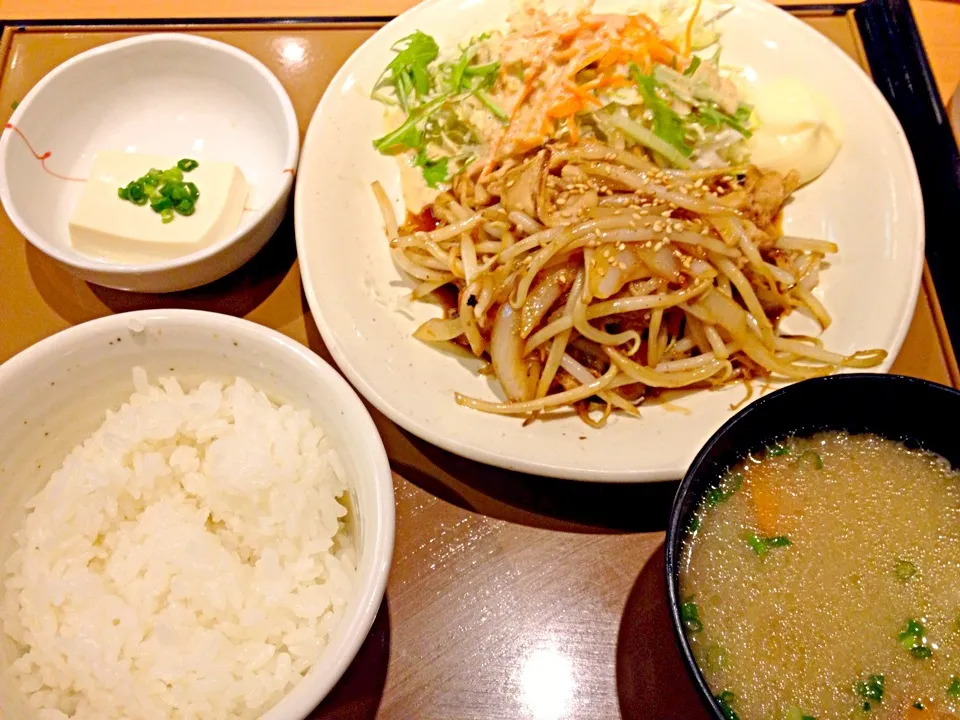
299,701
80,262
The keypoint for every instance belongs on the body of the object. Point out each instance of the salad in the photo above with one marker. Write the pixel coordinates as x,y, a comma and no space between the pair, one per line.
621,79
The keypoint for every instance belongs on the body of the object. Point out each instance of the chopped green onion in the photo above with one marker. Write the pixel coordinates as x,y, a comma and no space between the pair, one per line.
761,546
172,175
135,192
810,457
188,164
912,639
777,449
954,690
161,204
778,541
918,705
694,524
871,690
164,190
796,713
725,701
724,490
690,615
905,570
757,545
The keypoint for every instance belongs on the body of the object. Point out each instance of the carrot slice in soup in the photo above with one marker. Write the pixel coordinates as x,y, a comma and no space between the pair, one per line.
767,505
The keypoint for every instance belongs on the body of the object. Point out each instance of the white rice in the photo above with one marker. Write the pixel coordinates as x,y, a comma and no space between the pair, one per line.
188,560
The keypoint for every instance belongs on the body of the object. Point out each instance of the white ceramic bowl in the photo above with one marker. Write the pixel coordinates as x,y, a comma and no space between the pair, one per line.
55,394
167,94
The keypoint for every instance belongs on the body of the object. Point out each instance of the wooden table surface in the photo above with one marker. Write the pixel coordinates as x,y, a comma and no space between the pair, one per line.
512,596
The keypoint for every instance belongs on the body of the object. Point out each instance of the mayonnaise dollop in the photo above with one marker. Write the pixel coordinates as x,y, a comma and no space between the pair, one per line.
797,128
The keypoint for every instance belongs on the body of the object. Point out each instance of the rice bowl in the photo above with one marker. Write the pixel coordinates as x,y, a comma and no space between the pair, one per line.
136,584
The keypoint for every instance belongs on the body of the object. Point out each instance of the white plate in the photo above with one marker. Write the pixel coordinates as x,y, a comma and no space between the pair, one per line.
868,202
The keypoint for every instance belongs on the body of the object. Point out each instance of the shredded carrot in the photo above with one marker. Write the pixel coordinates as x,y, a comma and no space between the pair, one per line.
689,34
583,94
662,54
588,60
551,96
611,57
568,106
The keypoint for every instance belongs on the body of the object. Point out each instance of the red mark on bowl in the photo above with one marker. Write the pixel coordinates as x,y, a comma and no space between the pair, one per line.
42,157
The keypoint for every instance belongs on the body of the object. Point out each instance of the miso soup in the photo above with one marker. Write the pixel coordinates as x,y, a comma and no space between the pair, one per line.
821,579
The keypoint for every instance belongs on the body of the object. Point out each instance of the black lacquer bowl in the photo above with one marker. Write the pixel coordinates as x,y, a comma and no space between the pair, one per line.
920,413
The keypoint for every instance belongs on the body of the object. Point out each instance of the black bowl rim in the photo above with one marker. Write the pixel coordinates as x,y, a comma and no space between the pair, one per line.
676,531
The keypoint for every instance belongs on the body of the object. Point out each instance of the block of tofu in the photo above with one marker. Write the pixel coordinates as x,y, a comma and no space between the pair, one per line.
106,226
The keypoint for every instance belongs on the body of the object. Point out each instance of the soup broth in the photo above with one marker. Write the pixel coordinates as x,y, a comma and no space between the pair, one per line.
821,579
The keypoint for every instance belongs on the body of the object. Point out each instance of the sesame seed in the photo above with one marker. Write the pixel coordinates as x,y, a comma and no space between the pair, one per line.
622,246
511,183
622,266
665,213
698,183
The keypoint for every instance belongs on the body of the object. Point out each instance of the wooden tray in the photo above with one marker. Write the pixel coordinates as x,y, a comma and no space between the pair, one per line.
510,596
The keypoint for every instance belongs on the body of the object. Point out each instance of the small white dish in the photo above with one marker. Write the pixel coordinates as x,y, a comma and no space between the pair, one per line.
166,94
868,202
56,392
